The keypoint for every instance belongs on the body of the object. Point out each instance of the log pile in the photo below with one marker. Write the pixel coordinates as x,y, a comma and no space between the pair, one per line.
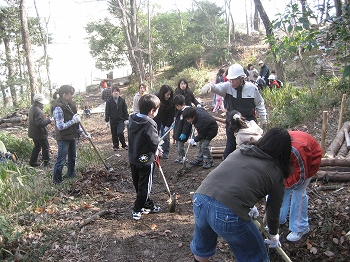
17,118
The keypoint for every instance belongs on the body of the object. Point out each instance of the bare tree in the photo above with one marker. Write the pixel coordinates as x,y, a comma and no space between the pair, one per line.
27,47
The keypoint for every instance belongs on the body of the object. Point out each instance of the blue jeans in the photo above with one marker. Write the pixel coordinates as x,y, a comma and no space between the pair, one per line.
296,202
166,139
65,147
213,219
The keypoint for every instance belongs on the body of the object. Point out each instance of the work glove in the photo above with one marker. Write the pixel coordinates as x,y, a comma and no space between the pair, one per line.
166,129
76,119
191,141
159,151
253,213
199,105
107,124
273,241
173,125
86,135
206,89
126,122
182,137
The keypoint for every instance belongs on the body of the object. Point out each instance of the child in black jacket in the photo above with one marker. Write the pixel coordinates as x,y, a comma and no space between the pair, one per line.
143,147
182,129
207,129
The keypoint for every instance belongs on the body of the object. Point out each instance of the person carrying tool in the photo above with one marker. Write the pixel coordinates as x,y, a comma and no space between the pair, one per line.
306,159
182,128
67,131
223,205
117,117
143,146
207,129
241,96
165,116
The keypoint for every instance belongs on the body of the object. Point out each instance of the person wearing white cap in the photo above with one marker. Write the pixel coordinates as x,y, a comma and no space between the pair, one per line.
241,96
264,71
37,123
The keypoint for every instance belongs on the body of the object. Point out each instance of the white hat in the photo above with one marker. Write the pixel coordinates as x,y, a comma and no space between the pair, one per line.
272,77
260,62
41,99
234,71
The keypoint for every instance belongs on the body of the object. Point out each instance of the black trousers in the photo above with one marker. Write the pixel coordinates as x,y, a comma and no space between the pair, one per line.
117,130
40,145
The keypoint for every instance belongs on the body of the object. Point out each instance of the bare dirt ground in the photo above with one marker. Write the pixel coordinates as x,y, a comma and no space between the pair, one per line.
75,232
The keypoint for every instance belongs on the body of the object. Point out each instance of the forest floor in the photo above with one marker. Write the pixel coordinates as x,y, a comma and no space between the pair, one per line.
92,221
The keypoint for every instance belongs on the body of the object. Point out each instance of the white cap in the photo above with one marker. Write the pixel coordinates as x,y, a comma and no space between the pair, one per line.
260,62
41,99
272,77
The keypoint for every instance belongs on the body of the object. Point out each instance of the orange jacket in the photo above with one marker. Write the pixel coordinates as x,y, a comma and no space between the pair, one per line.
305,157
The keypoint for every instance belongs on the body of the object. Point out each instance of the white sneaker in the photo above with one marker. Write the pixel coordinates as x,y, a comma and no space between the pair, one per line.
294,236
136,215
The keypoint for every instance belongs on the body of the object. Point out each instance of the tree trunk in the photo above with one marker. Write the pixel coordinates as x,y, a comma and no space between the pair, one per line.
10,71
338,8
268,30
256,20
129,23
27,47
45,42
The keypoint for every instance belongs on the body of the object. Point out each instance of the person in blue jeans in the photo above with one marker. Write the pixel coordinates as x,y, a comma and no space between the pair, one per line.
306,159
67,131
223,205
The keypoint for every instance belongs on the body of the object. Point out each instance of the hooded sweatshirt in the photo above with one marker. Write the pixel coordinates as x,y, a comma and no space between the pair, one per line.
143,139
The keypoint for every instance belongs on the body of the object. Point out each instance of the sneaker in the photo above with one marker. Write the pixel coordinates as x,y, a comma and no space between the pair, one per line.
208,163
165,156
179,160
115,148
194,144
136,215
125,147
152,210
196,162
294,236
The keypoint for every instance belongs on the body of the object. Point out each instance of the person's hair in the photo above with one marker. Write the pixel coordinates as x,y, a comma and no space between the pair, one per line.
142,85
277,143
273,71
189,112
179,100
182,80
65,89
237,121
148,102
163,90
221,71
115,88
249,65
109,84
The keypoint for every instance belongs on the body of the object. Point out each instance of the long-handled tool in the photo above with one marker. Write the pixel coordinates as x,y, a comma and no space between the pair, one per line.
161,140
184,160
109,169
172,197
259,223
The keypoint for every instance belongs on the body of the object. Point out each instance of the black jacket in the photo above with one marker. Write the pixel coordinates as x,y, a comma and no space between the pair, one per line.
165,114
143,140
188,94
265,72
116,112
37,122
206,126
181,127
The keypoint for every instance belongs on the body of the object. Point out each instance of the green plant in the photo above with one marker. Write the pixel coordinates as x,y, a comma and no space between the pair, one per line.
22,146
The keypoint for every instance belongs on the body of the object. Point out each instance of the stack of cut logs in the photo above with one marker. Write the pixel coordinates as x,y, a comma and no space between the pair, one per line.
18,118
335,165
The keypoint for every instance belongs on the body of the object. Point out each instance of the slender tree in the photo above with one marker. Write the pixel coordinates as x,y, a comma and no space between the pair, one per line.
27,47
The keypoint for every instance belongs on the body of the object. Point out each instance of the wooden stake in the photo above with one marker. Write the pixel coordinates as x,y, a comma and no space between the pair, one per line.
341,112
324,130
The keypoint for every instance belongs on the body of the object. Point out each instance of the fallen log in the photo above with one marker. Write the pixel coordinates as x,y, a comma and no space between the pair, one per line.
335,162
335,168
93,218
327,188
332,177
337,142
347,138
217,155
343,151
